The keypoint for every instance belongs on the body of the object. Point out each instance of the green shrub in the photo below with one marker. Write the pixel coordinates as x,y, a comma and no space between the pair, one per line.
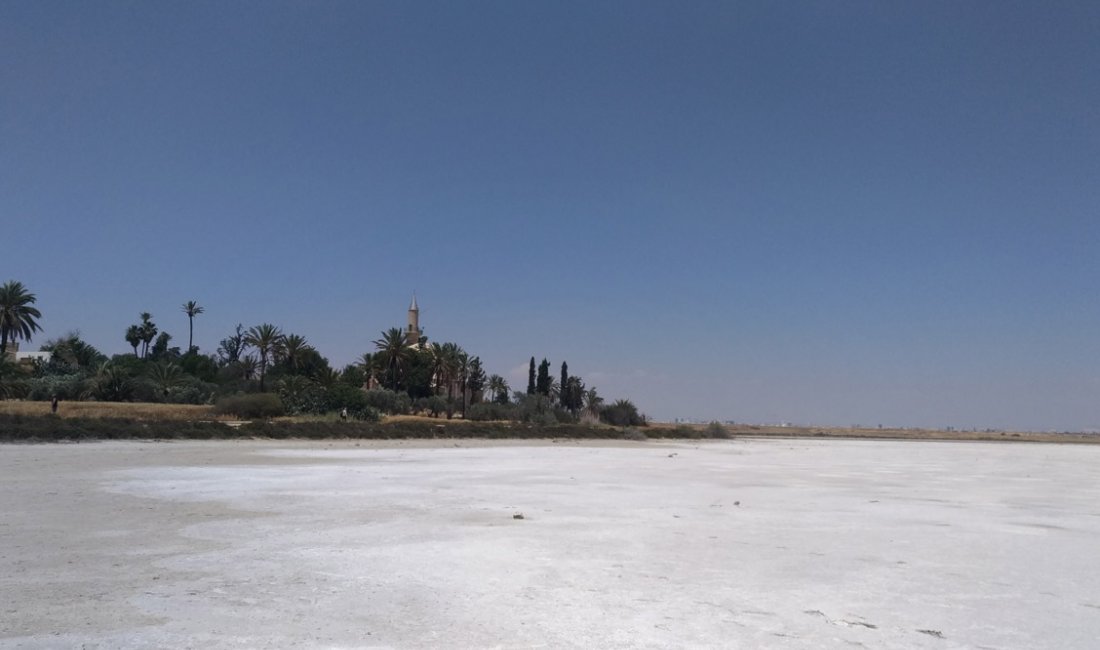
634,434
67,387
716,430
342,396
382,399
436,405
536,409
256,405
46,428
192,391
365,414
684,431
622,413
486,411
544,419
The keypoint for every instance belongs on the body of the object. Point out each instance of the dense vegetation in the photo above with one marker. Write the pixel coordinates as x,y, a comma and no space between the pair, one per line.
263,372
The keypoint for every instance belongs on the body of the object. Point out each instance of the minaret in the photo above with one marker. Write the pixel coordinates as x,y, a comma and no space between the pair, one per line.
412,335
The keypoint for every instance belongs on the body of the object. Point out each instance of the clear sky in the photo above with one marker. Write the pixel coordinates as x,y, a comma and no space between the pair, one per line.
831,212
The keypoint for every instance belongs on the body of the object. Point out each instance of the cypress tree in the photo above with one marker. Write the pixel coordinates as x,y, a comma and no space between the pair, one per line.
542,384
531,378
564,385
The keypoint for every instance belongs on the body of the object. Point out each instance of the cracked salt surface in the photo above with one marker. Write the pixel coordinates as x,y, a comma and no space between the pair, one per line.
789,544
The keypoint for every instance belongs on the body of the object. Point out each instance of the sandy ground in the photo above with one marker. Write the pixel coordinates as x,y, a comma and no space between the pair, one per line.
751,544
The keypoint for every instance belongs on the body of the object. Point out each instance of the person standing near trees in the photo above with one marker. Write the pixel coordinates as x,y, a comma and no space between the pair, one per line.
53,405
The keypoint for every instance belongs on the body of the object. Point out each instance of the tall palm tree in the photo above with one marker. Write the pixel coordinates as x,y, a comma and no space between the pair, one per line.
148,331
17,317
265,338
498,389
450,365
133,337
393,352
463,373
192,309
437,363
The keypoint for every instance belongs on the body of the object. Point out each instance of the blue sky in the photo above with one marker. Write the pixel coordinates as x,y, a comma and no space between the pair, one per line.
833,213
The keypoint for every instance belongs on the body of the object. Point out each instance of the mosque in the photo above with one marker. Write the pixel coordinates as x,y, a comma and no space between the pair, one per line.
413,334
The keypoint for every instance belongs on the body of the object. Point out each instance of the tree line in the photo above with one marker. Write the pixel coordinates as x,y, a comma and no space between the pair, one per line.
262,370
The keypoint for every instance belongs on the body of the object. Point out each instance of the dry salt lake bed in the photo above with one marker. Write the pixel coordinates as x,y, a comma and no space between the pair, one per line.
738,544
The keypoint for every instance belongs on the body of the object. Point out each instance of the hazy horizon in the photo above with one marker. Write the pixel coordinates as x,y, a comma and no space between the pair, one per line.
830,213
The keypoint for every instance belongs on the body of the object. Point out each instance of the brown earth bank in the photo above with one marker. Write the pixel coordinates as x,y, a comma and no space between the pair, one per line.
764,431
32,421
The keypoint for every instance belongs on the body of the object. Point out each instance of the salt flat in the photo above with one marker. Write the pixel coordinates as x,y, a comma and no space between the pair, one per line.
746,543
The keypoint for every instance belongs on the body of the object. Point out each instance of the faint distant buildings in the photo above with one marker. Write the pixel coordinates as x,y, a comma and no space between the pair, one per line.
26,358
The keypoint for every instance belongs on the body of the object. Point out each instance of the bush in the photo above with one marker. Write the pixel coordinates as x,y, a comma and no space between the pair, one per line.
436,405
634,434
191,391
51,427
544,419
67,387
384,400
486,411
716,430
256,405
622,413
301,396
365,414
684,431
342,396
536,409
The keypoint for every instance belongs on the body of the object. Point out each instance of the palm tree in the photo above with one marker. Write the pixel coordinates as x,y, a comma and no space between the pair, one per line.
111,383
437,364
475,381
393,353
291,350
166,376
327,377
247,366
74,352
17,317
133,337
572,394
463,367
369,363
448,360
192,309
498,389
265,338
295,390
592,401
148,331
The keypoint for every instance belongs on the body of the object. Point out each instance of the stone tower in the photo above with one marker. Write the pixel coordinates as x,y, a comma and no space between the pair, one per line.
412,334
